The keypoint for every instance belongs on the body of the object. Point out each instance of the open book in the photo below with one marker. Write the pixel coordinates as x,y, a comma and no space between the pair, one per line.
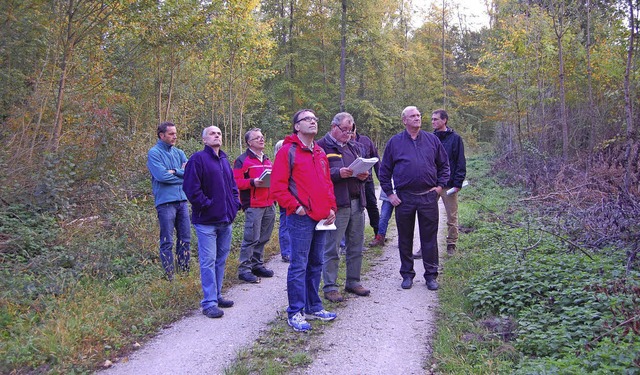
362,165
266,177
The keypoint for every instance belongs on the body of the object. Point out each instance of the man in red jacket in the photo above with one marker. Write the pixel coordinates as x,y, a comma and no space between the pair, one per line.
301,184
259,212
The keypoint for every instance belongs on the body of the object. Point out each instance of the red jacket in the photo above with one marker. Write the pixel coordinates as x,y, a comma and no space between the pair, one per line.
247,167
301,177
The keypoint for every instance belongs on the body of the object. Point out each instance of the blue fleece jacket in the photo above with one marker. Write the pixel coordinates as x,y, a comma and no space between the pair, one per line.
167,187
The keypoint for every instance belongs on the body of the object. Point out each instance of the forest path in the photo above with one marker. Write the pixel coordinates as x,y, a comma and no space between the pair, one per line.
388,332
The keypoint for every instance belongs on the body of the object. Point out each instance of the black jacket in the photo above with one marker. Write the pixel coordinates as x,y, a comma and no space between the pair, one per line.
454,146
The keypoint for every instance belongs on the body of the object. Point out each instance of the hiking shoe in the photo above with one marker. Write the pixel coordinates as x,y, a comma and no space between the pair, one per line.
407,282
432,284
358,290
213,312
451,249
249,277
333,296
377,241
286,259
224,303
418,255
262,272
323,315
299,323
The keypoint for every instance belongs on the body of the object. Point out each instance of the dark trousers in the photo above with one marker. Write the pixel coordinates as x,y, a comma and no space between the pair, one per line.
426,206
372,206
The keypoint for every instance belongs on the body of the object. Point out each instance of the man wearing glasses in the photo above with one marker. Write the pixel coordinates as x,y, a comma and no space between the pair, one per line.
258,207
418,164
301,184
349,191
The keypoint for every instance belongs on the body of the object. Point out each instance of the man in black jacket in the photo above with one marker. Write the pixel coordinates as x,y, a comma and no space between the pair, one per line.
454,146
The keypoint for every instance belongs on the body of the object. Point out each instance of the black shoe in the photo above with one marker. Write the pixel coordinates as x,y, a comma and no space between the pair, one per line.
249,277
286,259
262,272
432,284
213,312
407,282
224,303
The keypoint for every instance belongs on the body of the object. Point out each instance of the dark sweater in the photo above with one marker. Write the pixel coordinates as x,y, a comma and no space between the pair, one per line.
416,166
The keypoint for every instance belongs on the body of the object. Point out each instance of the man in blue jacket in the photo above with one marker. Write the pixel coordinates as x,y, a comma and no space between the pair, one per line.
166,164
213,193
418,165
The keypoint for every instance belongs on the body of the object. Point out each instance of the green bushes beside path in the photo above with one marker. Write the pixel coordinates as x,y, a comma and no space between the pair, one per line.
519,298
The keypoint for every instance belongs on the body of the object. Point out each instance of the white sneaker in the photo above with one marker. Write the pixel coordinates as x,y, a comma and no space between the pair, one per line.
299,323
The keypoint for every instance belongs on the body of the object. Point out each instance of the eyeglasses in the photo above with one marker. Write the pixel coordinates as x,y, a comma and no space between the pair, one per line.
260,138
308,119
344,131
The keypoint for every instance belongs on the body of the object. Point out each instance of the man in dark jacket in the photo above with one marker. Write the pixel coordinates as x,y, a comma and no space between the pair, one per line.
454,146
213,193
349,191
418,165
370,151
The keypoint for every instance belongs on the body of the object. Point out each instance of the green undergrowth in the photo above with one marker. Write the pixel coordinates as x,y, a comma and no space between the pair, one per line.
518,298
76,293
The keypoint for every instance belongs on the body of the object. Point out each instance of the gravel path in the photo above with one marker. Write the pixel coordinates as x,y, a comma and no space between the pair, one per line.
387,332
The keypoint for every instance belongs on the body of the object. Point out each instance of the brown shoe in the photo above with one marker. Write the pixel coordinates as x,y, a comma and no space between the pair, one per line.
418,255
451,249
358,290
333,296
377,241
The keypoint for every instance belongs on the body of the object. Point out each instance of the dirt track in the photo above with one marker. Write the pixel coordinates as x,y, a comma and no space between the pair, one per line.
387,332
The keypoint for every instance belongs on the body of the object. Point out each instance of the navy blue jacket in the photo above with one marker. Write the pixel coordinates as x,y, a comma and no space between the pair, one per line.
454,146
211,188
416,165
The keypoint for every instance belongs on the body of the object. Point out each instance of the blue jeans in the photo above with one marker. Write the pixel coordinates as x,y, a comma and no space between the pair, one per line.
303,278
283,234
214,243
385,215
258,225
174,215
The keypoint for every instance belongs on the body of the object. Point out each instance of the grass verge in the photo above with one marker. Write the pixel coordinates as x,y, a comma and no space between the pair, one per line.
518,299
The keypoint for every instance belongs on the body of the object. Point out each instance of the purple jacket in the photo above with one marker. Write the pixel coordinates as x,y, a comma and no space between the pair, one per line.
416,165
211,188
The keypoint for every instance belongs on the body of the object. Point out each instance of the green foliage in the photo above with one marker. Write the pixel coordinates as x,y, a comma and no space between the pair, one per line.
25,233
521,301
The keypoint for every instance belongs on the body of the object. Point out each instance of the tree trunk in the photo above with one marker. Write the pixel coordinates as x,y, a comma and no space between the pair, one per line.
628,109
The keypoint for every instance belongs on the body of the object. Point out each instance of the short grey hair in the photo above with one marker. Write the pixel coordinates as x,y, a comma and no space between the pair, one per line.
407,109
339,117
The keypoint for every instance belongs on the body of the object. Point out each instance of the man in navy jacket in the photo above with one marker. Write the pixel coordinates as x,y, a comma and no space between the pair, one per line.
213,193
418,165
